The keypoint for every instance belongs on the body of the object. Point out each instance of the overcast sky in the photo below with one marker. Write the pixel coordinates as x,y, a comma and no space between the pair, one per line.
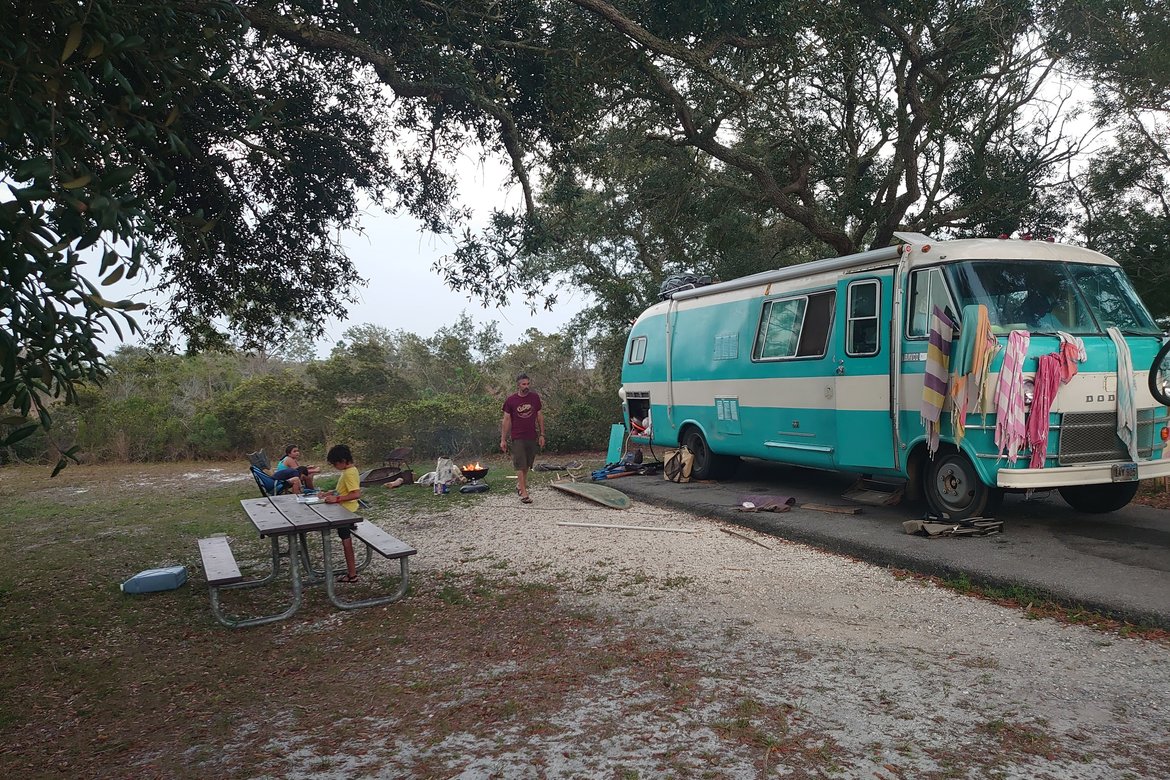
402,290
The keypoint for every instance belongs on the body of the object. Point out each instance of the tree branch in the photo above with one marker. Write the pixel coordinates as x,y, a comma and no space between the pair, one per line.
313,38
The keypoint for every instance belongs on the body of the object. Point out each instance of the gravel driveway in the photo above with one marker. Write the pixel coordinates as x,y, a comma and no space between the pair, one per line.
796,663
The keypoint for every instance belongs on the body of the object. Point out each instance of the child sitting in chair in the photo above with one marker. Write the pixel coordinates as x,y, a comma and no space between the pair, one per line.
291,471
347,493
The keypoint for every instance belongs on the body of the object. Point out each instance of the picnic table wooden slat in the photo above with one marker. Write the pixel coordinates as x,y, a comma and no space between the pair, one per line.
303,517
386,545
219,565
266,517
336,514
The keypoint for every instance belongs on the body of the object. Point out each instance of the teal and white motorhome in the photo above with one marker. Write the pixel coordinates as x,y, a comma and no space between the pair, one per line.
822,365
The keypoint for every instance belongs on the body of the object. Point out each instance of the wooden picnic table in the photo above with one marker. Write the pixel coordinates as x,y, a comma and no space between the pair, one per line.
291,518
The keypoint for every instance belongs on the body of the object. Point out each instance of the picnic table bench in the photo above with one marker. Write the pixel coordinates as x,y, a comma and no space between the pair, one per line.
219,564
278,517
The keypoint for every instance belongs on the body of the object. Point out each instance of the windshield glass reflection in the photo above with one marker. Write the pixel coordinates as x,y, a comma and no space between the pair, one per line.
1046,297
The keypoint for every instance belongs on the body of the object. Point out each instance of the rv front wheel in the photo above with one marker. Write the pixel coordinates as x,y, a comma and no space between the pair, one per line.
1098,499
954,490
1159,378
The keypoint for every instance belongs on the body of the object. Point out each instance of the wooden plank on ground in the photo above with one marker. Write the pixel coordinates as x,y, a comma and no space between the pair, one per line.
744,537
840,510
633,527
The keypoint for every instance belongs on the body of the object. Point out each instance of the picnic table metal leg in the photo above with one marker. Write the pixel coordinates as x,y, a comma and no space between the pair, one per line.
331,589
313,575
230,622
276,556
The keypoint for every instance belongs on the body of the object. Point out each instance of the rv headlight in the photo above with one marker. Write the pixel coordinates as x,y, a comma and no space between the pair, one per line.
1029,391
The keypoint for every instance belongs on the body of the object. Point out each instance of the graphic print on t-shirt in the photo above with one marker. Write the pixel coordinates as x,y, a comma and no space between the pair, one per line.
523,410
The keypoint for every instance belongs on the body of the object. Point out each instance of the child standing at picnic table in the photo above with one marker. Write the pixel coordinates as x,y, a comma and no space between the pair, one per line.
347,493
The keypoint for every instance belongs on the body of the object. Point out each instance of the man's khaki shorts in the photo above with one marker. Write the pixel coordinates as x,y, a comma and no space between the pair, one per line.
523,453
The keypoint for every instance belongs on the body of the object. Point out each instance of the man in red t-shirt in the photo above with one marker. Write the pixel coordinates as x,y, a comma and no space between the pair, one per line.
524,422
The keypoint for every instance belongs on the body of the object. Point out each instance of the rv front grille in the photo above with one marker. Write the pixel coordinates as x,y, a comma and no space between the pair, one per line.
1089,437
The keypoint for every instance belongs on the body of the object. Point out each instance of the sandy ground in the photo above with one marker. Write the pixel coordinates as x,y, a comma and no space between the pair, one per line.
814,665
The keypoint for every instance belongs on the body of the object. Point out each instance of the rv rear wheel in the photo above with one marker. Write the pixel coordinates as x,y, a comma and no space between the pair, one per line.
1098,499
953,488
707,464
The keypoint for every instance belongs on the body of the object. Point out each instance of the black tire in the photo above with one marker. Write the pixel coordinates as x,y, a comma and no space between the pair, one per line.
954,490
1099,499
1154,381
707,464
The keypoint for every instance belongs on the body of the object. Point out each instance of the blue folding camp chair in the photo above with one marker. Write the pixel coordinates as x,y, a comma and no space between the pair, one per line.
268,486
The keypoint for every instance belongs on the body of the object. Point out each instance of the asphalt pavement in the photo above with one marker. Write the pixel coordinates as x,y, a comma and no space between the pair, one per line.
1117,563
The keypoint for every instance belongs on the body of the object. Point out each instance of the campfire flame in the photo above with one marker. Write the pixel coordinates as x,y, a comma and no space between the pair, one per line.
472,466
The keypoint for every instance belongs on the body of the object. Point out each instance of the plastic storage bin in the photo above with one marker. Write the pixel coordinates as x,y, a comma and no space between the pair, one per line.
153,580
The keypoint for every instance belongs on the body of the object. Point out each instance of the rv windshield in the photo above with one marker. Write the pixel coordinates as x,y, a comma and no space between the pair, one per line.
1047,297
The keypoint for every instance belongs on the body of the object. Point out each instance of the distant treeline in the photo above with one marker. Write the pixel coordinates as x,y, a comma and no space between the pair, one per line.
377,390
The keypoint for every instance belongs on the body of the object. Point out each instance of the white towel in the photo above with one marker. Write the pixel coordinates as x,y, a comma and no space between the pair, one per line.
1126,393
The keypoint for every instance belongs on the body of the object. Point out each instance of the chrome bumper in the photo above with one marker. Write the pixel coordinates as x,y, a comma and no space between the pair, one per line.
1086,474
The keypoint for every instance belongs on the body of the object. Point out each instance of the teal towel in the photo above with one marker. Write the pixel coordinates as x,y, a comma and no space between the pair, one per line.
963,352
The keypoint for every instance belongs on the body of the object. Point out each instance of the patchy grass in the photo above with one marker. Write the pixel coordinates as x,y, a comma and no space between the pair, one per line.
102,684
472,671
1036,605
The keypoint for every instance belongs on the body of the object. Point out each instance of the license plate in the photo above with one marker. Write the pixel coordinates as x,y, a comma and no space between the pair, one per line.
1125,472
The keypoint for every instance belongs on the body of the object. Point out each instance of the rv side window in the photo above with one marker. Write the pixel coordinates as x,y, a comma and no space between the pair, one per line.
861,334
927,290
794,327
638,350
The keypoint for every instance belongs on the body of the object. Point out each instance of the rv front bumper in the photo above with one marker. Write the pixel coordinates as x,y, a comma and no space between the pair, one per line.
1087,474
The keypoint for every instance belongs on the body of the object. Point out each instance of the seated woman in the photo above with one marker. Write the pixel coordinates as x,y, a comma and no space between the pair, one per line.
1038,312
290,470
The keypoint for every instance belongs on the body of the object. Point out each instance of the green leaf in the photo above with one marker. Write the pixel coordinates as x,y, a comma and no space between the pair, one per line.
90,238
20,434
72,41
80,181
114,275
61,464
36,168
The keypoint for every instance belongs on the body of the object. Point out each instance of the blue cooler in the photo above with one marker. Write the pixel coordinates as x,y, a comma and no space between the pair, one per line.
153,580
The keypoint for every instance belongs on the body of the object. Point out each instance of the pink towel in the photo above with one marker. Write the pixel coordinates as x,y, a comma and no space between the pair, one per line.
1010,432
1048,381
1072,351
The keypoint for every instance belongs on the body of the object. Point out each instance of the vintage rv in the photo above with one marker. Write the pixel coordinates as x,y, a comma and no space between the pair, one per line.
823,365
